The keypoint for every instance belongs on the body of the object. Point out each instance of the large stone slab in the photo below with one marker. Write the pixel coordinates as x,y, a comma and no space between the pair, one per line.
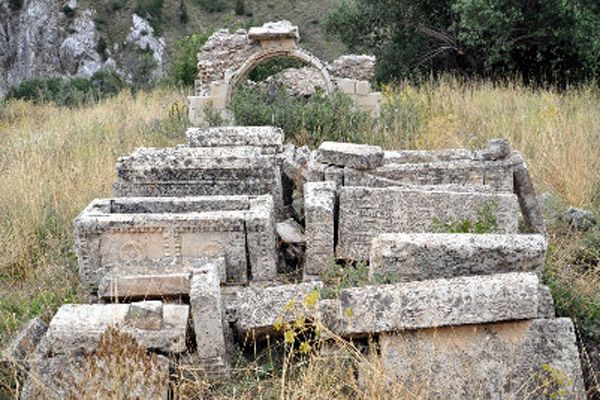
260,308
440,302
368,212
23,345
155,238
509,360
268,138
419,256
358,156
76,329
319,219
195,171
209,319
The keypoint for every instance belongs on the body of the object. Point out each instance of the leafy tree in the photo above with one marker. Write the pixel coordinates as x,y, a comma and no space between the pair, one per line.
554,41
182,69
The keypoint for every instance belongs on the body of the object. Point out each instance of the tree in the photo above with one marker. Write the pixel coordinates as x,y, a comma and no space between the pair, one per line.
555,41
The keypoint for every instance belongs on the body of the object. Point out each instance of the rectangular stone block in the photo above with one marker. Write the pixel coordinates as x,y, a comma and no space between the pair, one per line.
260,308
146,315
196,105
208,315
319,219
358,156
24,343
76,329
440,302
509,360
268,138
407,257
363,87
347,86
528,200
118,239
194,171
427,156
368,212
334,174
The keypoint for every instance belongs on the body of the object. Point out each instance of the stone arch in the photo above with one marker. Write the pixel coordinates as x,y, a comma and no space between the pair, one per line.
267,54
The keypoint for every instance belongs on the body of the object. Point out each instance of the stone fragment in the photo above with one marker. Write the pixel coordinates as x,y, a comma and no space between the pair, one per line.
273,31
528,201
353,66
23,345
319,221
419,256
509,360
496,149
440,302
290,231
358,156
367,212
261,242
545,302
334,174
259,309
314,171
209,319
579,219
268,138
146,315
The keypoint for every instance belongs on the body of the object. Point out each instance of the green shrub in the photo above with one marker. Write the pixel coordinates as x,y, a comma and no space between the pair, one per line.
486,222
150,9
270,67
68,11
183,14
68,92
182,68
212,6
240,7
313,120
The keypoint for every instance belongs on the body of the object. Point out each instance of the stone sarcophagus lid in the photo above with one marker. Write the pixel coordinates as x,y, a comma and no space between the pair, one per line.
138,247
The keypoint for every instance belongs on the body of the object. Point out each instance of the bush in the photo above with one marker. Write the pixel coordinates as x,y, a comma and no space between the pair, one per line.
212,6
314,119
68,92
149,8
240,7
182,68
541,40
270,67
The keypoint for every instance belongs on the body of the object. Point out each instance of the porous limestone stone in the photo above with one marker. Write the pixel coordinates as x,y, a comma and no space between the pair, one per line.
209,321
545,302
419,256
273,31
290,231
508,360
24,344
119,239
368,212
353,66
75,330
496,149
260,308
358,156
146,315
334,174
440,302
528,201
319,221
427,156
268,138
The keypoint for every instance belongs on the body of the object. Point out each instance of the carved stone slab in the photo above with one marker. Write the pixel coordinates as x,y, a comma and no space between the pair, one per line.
268,138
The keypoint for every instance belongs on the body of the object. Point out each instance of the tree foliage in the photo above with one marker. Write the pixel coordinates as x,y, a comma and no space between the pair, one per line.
555,41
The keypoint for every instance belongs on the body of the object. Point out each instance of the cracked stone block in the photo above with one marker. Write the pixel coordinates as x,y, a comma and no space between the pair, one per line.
160,239
508,360
419,256
75,330
209,321
24,344
146,315
269,139
440,302
319,222
368,212
358,156
260,308
528,201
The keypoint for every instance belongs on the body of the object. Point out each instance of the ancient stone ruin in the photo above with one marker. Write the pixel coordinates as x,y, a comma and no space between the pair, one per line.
227,58
209,245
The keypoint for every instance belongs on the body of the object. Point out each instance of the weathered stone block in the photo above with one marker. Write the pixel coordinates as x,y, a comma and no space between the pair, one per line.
420,256
522,359
528,201
367,212
319,221
260,308
269,139
196,106
208,316
358,156
346,85
496,149
119,239
427,156
440,302
75,330
24,343
363,87
334,174
146,315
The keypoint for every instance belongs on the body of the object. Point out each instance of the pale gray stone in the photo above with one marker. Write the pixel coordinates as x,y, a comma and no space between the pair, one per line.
367,212
353,66
23,345
290,231
496,149
579,219
268,138
319,222
359,156
426,156
420,256
545,302
146,315
536,359
261,240
209,319
440,302
259,308
273,31
334,174
528,201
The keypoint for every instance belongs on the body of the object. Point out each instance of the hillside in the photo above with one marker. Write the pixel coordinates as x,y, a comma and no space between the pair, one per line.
56,38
